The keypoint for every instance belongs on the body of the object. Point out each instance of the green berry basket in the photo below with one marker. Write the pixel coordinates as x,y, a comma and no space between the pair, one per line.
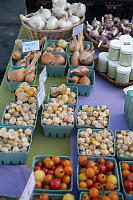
9,197
116,173
72,88
121,158
41,158
84,126
121,197
56,131
92,156
83,90
49,43
4,124
12,84
57,70
15,158
51,196
126,196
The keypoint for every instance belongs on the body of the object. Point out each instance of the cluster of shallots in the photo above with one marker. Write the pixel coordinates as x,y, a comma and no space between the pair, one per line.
14,140
125,143
93,116
58,114
20,113
96,142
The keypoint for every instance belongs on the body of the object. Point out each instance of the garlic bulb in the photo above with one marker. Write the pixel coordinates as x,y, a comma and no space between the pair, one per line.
52,23
59,3
45,14
78,9
63,23
73,18
68,5
59,12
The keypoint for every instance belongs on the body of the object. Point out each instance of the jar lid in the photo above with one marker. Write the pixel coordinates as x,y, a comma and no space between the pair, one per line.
112,63
126,39
123,70
127,49
115,44
103,56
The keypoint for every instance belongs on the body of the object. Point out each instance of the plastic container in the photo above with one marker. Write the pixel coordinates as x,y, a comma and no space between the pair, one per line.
15,158
126,39
91,156
56,131
114,49
12,84
73,89
83,90
49,43
116,173
126,55
112,65
102,64
51,196
41,158
131,73
122,74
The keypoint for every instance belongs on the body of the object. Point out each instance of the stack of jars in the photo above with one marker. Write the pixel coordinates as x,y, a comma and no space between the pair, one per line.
118,62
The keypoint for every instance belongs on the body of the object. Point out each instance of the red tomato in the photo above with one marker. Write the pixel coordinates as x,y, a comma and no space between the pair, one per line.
83,160
102,169
51,171
59,166
39,163
100,161
55,184
37,168
109,173
97,185
131,168
110,165
90,164
45,170
130,177
128,185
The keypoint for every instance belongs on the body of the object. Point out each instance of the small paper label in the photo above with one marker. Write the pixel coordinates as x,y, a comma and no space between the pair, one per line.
128,88
78,29
26,195
42,77
30,46
41,96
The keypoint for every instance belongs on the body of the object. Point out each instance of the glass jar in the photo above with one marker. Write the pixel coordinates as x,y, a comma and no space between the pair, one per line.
114,49
102,64
131,74
126,55
126,39
122,74
112,65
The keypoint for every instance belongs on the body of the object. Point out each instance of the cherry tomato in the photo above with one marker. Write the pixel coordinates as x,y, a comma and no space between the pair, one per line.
101,178
113,196
102,169
44,196
125,166
61,162
68,170
68,197
105,197
128,185
83,160
112,179
110,186
45,170
97,185
125,173
59,166
82,170
66,163
48,179
49,164
59,173
46,187
66,179
109,173
51,171
130,177
83,185
90,173
63,186
55,184
38,185
94,193
37,167
90,164
100,161
39,175
95,169
39,163
94,179
89,183
56,160
46,159
110,165
85,196
131,168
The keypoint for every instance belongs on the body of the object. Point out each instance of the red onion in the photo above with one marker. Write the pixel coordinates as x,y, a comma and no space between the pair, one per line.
116,20
80,71
94,34
95,23
124,21
102,40
84,80
115,31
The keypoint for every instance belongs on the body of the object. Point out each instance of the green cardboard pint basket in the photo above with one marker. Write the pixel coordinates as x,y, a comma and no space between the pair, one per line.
83,90
49,43
91,156
12,84
116,173
15,158
51,196
9,197
41,158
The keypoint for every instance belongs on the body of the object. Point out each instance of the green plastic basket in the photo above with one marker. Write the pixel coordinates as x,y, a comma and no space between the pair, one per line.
49,43
51,196
73,89
41,158
116,173
121,158
3,121
12,84
92,156
126,196
9,198
83,90
83,126
16,158
105,193
57,70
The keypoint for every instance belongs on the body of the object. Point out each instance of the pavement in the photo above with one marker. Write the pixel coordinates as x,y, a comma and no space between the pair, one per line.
9,28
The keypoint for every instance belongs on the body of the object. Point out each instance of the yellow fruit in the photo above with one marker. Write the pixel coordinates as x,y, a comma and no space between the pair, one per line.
82,177
54,108
30,92
68,197
39,175
19,108
63,92
112,179
19,90
20,130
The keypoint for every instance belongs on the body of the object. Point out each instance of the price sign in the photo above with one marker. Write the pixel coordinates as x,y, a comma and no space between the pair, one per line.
26,195
128,88
30,46
42,77
41,96
78,29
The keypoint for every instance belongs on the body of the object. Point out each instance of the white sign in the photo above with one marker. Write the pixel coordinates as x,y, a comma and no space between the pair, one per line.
78,29
41,96
128,88
42,77
26,195
30,46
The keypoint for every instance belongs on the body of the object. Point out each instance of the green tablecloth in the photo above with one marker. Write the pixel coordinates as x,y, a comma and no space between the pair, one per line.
40,145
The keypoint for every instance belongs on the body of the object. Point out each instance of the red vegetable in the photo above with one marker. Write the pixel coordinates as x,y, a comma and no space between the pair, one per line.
48,59
84,80
80,71
55,184
128,185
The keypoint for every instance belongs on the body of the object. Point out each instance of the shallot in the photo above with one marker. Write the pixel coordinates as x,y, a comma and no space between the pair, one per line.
80,71
16,55
75,56
84,80
74,79
59,60
48,59
17,75
86,57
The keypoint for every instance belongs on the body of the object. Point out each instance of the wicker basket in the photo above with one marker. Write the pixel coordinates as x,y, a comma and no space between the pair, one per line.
35,34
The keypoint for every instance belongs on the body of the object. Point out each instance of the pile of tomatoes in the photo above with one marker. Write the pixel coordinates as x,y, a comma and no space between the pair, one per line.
45,196
127,174
53,174
95,195
99,174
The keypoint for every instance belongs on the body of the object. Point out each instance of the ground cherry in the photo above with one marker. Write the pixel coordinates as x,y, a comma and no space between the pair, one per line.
94,193
90,173
82,160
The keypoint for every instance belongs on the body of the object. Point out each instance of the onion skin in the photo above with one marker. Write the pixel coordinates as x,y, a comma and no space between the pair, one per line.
80,71
17,75
48,59
59,49
20,63
16,55
84,80
74,79
30,77
49,49
59,60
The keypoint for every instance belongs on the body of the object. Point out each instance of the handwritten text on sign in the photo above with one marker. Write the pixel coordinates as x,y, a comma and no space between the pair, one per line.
30,46
78,29
41,96
42,77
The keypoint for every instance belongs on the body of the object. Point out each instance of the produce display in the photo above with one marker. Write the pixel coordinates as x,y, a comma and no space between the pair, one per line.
53,174
62,93
60,46
98,174
93,116
53,59
45,196
12,141
93,142
95,194
20,113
